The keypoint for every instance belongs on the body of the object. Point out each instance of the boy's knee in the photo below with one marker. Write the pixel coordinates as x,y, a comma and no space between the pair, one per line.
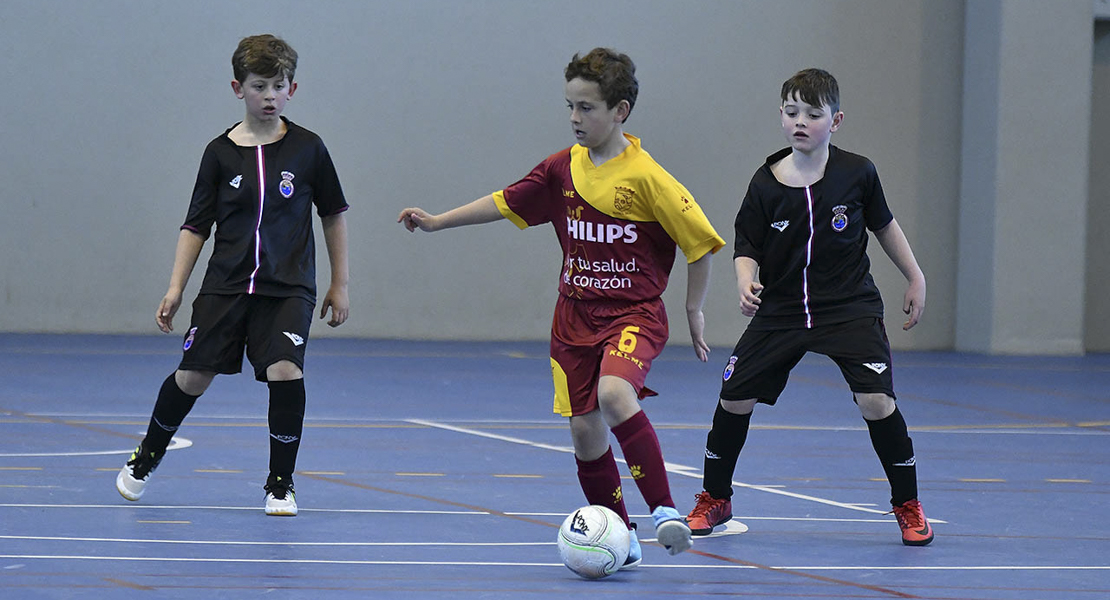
739,407
193,383
874,407
617,400
590,435
283,370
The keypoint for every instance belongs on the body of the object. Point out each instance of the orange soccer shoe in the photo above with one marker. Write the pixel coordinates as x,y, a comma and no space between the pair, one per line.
708,513
916,530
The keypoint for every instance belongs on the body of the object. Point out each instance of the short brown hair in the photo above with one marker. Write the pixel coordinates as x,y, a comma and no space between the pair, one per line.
814,87
613,72
265,55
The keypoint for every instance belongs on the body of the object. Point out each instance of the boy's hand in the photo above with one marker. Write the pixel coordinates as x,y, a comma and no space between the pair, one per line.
914,304
416,218
749,298
166,310
697,330
336,298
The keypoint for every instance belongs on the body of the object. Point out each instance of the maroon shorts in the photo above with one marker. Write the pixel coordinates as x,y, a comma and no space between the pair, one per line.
591,338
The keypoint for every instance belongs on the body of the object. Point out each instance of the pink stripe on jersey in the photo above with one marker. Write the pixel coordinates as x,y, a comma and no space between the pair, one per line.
258,226
809,258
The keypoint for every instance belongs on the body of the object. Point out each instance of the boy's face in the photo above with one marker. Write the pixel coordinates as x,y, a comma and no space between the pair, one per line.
808,128
591,120
265,97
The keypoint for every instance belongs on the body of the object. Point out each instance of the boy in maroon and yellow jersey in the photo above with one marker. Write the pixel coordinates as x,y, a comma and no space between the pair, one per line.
618,216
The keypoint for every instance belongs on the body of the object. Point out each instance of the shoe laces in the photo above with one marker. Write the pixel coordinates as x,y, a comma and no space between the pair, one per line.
143,462
279,487
909,515
705,503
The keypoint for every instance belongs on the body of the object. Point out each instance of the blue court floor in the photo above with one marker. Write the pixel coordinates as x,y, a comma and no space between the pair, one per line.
437,471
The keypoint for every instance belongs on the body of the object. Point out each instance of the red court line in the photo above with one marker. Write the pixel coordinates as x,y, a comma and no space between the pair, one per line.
40,419
736,561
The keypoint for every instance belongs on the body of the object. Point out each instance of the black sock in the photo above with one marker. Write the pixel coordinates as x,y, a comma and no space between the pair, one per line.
169,411
722,449
892,443
286,419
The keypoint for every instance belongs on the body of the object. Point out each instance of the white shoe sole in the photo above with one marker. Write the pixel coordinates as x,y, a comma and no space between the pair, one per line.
280,508
631,565
124,483
674,535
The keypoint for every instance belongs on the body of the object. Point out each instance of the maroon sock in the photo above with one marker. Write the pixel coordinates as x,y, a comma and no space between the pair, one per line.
645,459
601,482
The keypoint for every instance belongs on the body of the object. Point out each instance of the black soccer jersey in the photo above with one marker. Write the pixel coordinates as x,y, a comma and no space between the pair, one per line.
811,243
260,198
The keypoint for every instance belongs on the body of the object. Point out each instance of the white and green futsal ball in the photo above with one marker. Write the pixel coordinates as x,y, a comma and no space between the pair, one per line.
593,542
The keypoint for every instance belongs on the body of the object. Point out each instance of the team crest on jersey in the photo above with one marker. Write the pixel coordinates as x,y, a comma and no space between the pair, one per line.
286,185
730,367
189,340
622,200
839,220
686,204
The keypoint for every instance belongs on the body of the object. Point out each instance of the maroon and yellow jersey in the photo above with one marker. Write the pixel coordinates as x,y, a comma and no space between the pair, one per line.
618,223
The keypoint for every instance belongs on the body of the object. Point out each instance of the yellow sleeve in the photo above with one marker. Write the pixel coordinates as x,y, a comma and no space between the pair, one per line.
503,207
682,218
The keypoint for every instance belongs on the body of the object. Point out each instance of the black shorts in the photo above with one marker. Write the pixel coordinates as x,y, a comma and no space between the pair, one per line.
762,360
271,329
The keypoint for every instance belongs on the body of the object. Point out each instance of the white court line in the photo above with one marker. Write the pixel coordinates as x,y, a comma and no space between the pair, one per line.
736,517
671,467
384,511
284,561
492,436
41,538
1037,431
686,471
251,508
177,443
952,568
1033,429
447,563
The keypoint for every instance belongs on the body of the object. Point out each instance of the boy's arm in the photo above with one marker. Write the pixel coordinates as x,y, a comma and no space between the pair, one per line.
335,238
697,285
189,244
482,210
746,270
897,247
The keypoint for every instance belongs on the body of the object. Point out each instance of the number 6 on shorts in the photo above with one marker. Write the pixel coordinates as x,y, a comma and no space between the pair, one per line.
627,342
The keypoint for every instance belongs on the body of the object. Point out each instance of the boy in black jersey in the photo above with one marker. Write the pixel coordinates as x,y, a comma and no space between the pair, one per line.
803,227
258,183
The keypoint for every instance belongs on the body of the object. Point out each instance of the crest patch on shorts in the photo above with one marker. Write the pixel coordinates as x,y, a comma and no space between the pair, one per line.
189,340
730,367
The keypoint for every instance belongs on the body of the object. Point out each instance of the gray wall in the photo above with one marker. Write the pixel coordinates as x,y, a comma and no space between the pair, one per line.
107,107
1023,200
1098,215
